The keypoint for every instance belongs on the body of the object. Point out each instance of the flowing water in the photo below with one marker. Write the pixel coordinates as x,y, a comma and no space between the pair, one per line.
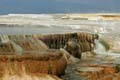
101,50
99,47
46,23
11,25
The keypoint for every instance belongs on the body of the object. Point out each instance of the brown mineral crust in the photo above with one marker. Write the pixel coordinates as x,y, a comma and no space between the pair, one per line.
50,54
73,48
16,37
83,37
2,68
115,76
26,45
108,69
76,49
59,40
55,67
99,71
55,41
45,76
22,45
49,62
31,44
85,46
91,73
6,47
113,17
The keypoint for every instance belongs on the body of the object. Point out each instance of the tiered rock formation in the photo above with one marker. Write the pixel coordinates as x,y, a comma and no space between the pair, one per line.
32,55
74,43
49,62
57,41
99,72
40,53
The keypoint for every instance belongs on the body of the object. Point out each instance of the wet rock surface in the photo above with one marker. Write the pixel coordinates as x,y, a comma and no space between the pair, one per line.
34,54
25,76
49,62
57,41
74,43
103,65
93,68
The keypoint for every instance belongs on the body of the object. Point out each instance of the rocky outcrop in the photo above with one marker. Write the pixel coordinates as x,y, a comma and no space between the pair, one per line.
98,71
31,44
32,54
6,47
48,62
21,43
24,76
20,46
57,41
40,53
74,43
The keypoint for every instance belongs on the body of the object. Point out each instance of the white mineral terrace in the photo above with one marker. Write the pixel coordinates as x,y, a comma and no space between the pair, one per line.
106,25
59,23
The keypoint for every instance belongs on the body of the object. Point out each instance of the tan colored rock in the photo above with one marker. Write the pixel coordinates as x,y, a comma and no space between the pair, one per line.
6,47
91,73
31,44
99,71
25,76
57,41
49,62
108,69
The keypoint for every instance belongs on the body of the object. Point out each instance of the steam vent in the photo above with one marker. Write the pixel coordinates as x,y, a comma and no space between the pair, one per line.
69,56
